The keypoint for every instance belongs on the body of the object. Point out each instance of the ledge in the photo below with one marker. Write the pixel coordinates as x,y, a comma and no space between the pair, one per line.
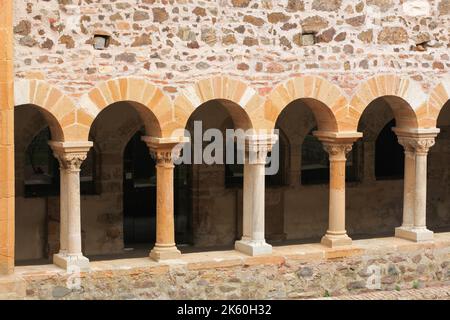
231,258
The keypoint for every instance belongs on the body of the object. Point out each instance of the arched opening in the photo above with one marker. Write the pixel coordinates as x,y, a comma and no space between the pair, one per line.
116,135
119,220
36,185
302,201
438,194
375,204
215,189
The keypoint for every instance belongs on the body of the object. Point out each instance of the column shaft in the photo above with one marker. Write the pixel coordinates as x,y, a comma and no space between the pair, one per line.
254,186
165,230
421,191
336,234
163,151
253,239
409,189
63,230
337,198
73,213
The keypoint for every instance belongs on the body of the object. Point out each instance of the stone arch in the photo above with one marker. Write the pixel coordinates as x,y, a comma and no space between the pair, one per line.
325,100
437,99
374,120
236,96
150,102
57,108
405,97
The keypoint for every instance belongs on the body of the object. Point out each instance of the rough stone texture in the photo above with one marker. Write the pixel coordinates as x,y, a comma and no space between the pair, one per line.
295,5
326,5
290,273
384,5
444,7
392,35
432,293
230,25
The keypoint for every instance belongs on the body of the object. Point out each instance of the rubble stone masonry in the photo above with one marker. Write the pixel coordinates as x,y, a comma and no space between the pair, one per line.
291,272
173,43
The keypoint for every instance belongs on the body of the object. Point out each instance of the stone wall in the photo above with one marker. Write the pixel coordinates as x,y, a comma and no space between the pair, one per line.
176,42
294,272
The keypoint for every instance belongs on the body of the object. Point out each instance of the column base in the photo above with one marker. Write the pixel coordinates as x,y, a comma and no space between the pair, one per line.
71,262
164,253
253,248
333,241
414,234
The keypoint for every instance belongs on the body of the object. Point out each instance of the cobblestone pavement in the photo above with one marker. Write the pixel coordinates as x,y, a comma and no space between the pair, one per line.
432,293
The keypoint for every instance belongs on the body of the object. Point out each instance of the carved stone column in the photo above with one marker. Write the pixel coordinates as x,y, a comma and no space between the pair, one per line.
416,144
253,241
337,146
164,150
70,156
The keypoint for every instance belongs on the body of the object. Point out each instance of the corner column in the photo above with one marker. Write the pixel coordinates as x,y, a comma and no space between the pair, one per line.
337,145
70,156
253,240
416,144
164,150
6,139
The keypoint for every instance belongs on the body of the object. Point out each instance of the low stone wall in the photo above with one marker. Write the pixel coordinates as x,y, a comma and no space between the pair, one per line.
298,271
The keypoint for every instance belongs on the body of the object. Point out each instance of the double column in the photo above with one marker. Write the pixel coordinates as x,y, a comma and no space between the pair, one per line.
337,145
416,144
70,156
164,150
256,149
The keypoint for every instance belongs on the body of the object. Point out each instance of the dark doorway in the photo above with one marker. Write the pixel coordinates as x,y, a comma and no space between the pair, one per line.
389,155
139,193
139,196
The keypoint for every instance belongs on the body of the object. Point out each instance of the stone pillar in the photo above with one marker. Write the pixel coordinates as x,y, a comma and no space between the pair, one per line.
409,182
6,139
416,144
163,151
337,146
253,241
70,156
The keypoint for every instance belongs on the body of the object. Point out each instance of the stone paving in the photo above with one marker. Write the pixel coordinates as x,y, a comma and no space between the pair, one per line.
431,293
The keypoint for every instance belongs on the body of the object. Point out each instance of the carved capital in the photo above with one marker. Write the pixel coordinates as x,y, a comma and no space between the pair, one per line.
70,161
406,143
423,145
165,150
258,146
164,157
418,141
337,151
337,144
70,155
418,145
